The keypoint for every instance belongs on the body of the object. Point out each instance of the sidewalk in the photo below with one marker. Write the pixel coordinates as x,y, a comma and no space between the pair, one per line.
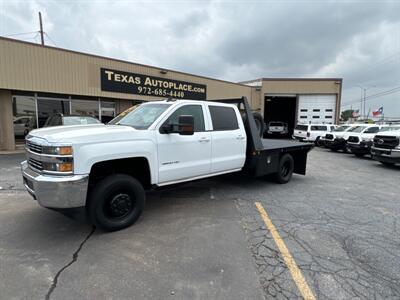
19,148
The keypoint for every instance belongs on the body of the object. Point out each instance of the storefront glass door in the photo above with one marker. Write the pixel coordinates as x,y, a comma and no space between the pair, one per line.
50,107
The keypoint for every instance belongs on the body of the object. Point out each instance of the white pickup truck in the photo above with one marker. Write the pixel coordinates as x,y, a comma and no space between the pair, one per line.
386,147
107,168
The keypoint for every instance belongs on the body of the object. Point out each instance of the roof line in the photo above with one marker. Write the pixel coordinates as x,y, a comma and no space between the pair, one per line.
117,60
293,79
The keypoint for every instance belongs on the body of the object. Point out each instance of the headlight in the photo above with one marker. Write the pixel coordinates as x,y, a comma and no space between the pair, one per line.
63,167
57,150
367,139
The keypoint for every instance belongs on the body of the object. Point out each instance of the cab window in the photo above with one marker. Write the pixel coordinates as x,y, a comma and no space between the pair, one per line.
192,110
372,130
223,118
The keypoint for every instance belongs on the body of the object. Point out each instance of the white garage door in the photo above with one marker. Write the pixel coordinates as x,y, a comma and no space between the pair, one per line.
316,109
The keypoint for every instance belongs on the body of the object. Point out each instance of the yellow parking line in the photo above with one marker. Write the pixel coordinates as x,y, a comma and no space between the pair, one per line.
290,262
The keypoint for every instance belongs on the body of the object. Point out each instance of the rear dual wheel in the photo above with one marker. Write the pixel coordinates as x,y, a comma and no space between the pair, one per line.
285,169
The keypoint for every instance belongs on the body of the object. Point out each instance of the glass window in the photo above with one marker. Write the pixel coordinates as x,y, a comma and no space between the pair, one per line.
316,110
49,107
107,111
301,127
24,113
192,110
318,128
340,128
79,120
357,129
276,124
372,130
223,118
142,117
85,108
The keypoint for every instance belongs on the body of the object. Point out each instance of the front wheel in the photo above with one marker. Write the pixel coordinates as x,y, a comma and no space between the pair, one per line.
285,171
116,202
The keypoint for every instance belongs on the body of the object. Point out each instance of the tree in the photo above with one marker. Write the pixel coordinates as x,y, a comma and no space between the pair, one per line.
346,114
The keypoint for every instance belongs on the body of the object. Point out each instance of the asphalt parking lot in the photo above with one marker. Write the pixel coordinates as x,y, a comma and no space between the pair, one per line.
207,240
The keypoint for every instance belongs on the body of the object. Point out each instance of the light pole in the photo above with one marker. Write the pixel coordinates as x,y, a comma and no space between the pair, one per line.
364,96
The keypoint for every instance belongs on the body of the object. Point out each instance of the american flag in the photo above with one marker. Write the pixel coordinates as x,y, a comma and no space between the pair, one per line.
356,113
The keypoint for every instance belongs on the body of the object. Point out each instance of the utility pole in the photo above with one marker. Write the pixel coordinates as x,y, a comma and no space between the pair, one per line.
364,98
41,28
365,93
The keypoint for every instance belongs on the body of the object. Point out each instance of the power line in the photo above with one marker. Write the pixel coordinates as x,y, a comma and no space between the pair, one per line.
18,34
373,96
50,39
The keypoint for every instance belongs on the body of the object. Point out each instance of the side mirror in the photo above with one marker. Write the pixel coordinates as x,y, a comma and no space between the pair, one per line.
186,125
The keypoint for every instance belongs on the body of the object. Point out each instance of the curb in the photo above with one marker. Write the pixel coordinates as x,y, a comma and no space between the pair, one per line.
12,152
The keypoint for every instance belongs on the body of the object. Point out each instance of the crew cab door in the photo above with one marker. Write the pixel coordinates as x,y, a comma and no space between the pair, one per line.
184,156
228,138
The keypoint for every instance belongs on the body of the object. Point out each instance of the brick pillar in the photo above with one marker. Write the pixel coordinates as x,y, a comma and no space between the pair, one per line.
7,139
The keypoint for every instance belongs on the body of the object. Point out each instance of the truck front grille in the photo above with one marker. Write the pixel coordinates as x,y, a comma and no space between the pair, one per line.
353,139
35,164
329,136
34,147
386,142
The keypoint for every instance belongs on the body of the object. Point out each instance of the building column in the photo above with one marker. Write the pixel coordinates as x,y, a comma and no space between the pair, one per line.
7,139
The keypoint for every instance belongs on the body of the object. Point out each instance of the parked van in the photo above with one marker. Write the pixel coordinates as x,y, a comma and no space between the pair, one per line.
311,132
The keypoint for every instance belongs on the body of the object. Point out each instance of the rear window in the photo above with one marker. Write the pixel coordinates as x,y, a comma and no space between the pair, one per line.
319,128
223,118
301,127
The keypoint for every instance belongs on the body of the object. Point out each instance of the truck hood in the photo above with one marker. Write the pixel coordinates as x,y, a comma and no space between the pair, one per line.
83,133
390,133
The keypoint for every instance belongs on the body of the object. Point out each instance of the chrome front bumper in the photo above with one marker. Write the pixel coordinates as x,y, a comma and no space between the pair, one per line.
386,155
55,191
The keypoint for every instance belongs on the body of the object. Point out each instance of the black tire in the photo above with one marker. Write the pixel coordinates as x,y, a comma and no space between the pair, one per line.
334,149
116,202
388,164
317,142
285,171
359,154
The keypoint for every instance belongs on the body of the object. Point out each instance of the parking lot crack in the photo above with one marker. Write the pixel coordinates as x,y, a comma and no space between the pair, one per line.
66,266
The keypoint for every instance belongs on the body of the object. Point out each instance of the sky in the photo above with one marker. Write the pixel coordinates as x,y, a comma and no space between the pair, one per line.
358,41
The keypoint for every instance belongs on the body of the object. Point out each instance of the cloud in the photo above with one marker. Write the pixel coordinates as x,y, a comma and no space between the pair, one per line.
232,40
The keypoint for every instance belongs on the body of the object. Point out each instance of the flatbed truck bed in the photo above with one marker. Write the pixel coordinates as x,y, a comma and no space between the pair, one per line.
269,156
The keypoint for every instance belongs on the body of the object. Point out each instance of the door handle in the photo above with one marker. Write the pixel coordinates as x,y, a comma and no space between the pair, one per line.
204,140
240,137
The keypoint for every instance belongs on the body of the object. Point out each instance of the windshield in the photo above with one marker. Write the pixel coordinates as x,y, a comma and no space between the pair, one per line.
80,120
340,128
357,129
276,124
141,117
123,114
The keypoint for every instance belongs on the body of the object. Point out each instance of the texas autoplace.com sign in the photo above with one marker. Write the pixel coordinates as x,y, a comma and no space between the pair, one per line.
130,83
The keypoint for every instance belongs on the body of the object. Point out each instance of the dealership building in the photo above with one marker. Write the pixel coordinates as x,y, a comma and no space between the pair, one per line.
38,81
